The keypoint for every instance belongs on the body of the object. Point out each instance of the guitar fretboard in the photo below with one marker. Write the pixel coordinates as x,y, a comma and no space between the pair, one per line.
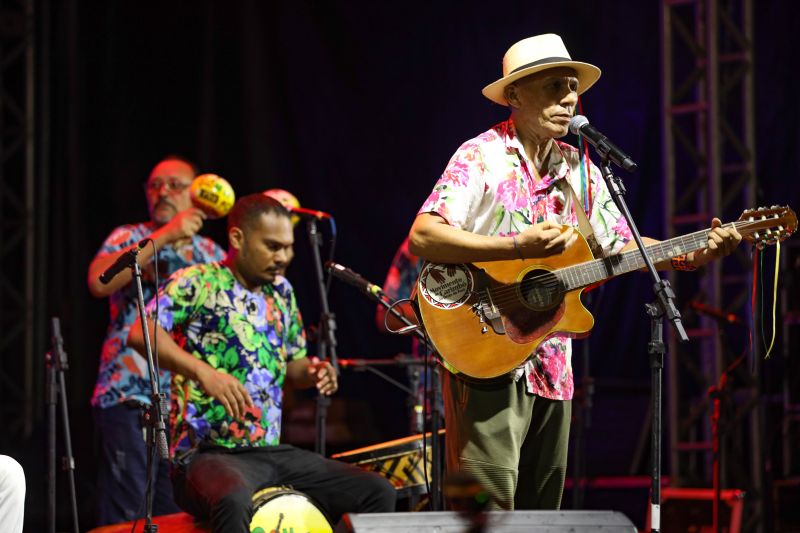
584,274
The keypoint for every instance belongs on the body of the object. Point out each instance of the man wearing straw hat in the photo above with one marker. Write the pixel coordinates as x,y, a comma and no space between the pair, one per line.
505,195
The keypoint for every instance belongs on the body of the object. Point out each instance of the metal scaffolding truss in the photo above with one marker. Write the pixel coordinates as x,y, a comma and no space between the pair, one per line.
17,240
709,170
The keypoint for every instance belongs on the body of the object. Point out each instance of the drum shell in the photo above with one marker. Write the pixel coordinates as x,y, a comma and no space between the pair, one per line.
293,510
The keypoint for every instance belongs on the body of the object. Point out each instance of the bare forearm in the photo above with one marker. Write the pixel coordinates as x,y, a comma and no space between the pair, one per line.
433,239
305,373
101,263
297,373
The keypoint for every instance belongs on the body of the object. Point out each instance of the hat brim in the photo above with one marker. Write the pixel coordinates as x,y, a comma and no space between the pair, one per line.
587,75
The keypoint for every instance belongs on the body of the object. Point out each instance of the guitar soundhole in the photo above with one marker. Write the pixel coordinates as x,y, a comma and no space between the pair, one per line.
541,290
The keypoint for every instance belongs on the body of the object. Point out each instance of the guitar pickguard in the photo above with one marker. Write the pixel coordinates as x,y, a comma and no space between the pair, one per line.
524,326
531,307
530,302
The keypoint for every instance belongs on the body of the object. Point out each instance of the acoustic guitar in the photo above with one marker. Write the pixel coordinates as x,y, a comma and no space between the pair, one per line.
487,318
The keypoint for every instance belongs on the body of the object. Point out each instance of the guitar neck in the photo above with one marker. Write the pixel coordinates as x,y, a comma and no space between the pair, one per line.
585,274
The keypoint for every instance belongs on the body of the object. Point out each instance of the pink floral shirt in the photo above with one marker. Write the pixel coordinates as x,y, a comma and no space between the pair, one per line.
488,188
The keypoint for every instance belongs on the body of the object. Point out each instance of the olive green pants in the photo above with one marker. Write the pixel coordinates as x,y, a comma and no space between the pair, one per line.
513,442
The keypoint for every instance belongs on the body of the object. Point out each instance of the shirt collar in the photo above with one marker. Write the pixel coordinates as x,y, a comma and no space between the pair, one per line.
557,166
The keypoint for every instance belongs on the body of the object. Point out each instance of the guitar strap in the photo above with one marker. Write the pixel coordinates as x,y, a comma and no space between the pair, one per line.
583,221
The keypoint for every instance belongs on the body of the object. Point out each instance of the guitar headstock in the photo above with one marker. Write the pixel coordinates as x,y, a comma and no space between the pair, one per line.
767,225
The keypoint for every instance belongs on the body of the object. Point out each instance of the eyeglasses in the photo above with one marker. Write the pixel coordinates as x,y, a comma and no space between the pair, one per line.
173,185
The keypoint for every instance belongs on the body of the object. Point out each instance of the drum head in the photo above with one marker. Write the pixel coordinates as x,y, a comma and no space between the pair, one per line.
283,510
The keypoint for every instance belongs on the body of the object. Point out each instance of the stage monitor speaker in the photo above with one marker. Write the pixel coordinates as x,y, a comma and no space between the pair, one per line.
497,522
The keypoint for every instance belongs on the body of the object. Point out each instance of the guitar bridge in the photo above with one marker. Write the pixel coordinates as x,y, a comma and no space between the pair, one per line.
489,314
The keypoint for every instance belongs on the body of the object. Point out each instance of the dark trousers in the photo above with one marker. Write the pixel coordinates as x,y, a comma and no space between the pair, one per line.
217,484
122,468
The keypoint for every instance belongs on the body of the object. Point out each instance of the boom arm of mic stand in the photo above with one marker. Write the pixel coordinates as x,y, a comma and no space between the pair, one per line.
400,316
436,469
369,366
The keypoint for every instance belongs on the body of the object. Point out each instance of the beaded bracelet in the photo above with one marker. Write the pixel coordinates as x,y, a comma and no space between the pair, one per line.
516,246
681,262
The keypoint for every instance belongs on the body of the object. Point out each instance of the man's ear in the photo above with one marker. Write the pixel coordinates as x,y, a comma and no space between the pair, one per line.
511,95
236,238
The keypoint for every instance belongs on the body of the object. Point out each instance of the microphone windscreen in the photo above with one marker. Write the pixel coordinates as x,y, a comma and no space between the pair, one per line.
287,200
576,123
212,194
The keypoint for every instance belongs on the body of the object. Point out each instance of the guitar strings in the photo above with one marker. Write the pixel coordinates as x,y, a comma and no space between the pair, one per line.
508,293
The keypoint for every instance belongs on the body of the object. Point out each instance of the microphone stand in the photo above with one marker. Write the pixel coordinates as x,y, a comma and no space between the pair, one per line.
583,422
437,415
716,392
663,305
326,345
153,420
56,362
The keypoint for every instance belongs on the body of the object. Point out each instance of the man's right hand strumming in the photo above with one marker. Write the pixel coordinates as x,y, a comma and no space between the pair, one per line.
432,238
545,239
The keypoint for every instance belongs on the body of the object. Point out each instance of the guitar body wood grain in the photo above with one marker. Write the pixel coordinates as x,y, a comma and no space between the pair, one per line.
474,348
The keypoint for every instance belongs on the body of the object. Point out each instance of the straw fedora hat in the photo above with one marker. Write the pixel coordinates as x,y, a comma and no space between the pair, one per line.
534,54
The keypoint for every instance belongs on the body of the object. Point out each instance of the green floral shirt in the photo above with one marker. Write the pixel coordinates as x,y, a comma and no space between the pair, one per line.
249,335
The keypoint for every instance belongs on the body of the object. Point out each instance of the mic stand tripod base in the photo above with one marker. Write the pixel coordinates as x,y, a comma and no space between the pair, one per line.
56,364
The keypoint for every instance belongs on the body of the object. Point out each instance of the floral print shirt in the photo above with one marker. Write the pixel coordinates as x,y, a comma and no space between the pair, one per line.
123,374
489,188
403,273
249,335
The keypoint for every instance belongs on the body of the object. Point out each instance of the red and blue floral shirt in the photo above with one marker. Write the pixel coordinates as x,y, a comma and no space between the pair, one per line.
123,374
489,188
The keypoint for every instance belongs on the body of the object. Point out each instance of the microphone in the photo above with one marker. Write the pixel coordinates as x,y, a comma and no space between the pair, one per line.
123,261
348,276
308,213
579,125
212,195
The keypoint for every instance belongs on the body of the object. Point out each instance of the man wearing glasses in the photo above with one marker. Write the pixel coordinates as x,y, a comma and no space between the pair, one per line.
123,385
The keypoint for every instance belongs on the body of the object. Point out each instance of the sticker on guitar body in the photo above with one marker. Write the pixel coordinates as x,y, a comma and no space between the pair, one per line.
446,286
